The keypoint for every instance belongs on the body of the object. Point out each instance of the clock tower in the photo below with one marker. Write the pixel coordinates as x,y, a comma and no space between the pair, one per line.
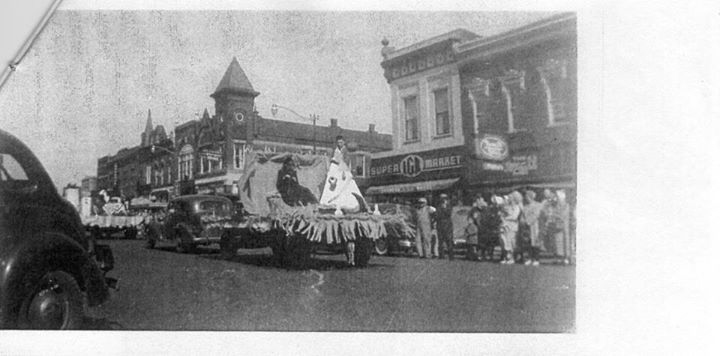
234,105
234,96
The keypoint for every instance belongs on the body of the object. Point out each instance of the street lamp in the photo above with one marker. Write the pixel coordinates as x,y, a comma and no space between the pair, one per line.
161,148
274,109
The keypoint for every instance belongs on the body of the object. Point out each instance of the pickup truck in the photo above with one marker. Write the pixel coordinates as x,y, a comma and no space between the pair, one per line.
49,270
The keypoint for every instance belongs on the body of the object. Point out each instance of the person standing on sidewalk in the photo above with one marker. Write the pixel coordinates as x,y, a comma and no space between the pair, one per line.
489,228
563,211
555,219
511,215
531,215
423,224
445,227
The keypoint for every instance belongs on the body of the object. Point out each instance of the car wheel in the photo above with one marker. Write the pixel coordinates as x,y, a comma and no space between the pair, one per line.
54,303
381,246
182,247
180,244
227,247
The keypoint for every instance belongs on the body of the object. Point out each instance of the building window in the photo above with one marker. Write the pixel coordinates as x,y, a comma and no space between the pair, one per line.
555,83
513,87
479,95
185,163
358,165
148,174
442,112
411,119
210,162
239,155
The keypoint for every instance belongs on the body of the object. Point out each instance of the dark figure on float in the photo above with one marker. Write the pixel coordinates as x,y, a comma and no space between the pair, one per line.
290,190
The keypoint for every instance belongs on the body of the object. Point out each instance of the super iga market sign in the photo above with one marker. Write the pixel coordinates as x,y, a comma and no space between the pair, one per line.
414,164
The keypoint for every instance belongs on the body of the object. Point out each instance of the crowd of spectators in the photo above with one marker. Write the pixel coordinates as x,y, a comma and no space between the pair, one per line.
517,224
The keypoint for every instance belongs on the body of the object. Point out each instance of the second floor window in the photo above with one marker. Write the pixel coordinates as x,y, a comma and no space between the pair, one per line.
239,155
558,90
148,173
411,119
442,112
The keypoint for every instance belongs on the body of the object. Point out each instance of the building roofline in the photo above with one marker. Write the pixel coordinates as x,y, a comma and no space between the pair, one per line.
514,38
459,34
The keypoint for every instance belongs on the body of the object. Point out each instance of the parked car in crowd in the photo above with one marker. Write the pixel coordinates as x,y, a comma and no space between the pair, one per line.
460,221
50,269
188,222
396,241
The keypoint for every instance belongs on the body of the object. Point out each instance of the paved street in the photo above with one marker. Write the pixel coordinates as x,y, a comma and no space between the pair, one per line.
164,290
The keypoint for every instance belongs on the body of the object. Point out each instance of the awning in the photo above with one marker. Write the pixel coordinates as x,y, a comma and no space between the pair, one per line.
413,187
558,185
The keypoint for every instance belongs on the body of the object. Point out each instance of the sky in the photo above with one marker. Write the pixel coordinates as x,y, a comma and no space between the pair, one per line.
85,87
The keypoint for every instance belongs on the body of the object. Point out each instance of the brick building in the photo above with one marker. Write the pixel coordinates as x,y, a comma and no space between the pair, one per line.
135,171
208,154
474,114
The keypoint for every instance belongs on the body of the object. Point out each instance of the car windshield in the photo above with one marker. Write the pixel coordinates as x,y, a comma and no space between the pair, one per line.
212,206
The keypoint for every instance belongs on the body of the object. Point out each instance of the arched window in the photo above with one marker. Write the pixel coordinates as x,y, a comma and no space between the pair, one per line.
513,87
556,86
185,163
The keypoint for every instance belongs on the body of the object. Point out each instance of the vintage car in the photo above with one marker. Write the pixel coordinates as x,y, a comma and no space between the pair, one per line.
189,222
397,240
48,266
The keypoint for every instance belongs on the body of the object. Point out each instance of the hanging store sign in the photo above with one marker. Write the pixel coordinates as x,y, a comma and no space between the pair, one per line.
521,165
492,166
413,165
492,147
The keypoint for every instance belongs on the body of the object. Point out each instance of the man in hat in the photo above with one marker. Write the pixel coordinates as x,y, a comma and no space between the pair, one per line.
423,223
445,226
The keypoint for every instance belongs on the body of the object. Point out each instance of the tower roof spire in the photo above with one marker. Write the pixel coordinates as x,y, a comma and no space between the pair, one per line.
149,124
235,81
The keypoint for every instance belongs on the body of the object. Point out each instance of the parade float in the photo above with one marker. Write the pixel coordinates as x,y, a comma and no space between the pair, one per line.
107,215
298,204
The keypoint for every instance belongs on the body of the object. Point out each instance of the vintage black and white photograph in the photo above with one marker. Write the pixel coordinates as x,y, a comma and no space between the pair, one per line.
286,170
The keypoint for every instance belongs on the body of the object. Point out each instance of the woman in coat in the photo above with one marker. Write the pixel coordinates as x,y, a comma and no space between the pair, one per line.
490,223
511,216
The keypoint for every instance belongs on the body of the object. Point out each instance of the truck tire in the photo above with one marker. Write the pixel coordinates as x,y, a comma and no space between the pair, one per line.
294,253
363,251
55,302
130,233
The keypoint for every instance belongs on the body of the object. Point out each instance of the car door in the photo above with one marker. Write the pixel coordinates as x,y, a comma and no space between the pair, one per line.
27,204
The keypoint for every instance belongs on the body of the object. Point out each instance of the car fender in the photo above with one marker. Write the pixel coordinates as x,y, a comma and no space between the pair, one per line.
32,256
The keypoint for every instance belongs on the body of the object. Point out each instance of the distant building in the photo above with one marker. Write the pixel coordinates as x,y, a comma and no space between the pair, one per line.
208,154
71,193
88,185
474,114
135,171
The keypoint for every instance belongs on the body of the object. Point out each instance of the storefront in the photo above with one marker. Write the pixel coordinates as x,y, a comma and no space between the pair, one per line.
404,178
498,167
